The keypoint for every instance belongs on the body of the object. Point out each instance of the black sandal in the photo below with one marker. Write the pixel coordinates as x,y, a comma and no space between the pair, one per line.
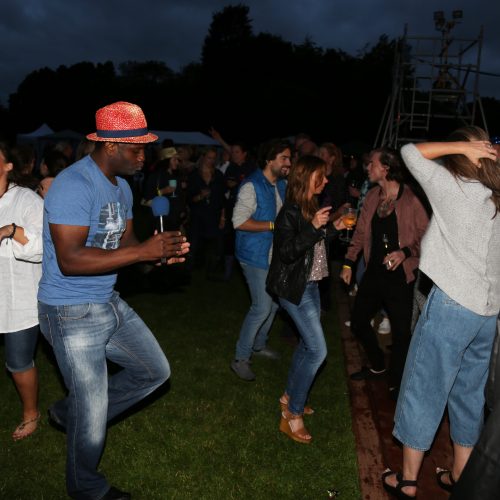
397,490
439,477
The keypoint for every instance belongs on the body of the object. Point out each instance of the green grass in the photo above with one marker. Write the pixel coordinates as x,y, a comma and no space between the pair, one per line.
205,434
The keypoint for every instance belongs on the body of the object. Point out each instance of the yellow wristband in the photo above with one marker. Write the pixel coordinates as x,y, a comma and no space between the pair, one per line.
346,267
271,225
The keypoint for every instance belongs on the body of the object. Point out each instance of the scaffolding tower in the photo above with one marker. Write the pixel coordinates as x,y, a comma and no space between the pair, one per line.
435,86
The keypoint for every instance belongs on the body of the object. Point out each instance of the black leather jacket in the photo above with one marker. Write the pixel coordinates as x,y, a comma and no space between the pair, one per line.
293,253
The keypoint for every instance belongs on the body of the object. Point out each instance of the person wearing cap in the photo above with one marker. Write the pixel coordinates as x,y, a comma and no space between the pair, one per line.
164,181
87,235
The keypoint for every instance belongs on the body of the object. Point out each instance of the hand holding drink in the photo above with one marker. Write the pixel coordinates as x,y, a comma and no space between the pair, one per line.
349,218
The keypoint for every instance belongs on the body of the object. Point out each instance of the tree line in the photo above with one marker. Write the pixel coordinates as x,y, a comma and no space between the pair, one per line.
250,86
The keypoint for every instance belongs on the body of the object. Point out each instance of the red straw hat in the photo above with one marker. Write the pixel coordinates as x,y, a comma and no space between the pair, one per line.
121,122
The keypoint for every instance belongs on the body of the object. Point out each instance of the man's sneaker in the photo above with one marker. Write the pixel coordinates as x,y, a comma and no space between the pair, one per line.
347,323
367,373
242,368
385,326
268,353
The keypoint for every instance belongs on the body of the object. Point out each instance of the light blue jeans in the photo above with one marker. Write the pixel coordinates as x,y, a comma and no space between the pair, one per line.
83,336
447,364
311,351
259,319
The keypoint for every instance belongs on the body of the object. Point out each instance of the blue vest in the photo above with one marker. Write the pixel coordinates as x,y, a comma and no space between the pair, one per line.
252,247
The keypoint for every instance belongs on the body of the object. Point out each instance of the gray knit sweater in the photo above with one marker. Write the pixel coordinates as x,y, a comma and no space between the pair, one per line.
460,251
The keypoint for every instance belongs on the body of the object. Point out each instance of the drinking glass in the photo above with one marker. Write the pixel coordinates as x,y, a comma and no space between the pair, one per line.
349,218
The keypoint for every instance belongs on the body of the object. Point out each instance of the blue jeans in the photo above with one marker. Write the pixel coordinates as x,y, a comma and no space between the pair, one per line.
311,351
259,319
83,336
20,349
447,364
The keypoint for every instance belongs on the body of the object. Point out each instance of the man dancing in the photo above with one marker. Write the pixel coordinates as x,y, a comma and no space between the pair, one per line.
88,234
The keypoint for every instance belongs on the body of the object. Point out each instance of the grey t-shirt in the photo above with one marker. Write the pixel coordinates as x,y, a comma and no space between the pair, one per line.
460,251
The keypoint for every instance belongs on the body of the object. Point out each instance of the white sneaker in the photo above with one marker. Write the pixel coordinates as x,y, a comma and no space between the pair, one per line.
347,323
384,327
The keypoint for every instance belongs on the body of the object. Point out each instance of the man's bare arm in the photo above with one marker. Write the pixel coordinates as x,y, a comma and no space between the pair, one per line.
74,258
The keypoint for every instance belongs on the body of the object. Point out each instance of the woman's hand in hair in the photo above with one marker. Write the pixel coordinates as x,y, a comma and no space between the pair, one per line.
475,150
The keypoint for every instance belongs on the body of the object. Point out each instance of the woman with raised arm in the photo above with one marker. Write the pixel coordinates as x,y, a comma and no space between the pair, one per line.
447,364
21,214
299,262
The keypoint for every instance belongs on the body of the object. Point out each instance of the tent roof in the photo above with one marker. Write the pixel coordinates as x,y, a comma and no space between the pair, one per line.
65,134
39,132
186,137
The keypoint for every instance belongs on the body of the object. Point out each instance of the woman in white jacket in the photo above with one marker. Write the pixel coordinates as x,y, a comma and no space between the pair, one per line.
21,216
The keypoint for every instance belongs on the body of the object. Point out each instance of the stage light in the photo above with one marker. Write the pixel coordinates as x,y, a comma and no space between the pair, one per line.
439,20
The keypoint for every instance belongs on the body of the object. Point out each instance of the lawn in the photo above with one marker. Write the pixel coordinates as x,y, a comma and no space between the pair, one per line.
205,434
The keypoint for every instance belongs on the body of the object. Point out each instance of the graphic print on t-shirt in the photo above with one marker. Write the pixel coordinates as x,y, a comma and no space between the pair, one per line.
111,226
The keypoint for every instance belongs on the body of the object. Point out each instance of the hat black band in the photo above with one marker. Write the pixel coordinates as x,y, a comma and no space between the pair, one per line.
120,134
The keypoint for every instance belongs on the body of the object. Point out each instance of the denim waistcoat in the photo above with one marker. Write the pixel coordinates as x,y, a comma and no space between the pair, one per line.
252,247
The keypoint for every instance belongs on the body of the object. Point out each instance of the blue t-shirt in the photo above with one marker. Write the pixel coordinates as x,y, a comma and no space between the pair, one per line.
82,195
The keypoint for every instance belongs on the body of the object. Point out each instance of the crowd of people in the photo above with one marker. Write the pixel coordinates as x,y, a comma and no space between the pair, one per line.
427,212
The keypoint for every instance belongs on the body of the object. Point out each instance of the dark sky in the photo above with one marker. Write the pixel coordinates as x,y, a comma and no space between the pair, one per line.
37,33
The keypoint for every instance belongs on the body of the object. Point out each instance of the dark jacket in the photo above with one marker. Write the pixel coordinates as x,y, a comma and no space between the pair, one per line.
293,253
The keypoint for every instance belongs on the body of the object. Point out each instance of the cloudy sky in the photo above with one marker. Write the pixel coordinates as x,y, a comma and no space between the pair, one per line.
38,33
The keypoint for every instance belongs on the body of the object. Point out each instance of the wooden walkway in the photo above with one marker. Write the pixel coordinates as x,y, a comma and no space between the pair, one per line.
372,421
